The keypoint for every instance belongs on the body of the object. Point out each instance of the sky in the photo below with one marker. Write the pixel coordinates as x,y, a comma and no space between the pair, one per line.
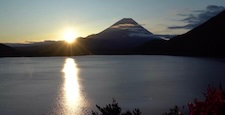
38,20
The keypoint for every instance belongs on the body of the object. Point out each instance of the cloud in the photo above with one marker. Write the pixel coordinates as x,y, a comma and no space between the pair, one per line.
194,20
124,26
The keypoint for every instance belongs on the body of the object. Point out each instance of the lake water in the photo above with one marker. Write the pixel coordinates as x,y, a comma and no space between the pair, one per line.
74,85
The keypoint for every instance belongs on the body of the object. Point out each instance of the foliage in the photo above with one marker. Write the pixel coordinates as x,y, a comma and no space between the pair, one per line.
114,109
214,103
174,111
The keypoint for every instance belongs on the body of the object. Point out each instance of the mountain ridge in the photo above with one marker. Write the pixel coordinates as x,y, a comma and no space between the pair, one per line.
208,39
7,51
122,36
205,40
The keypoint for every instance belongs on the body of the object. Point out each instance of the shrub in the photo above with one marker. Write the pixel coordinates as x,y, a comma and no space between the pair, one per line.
114,109
214,103
174,111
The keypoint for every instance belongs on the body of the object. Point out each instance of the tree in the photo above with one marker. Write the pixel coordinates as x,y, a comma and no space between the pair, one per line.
114,109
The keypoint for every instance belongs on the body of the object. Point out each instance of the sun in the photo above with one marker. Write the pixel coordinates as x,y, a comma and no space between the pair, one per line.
70,36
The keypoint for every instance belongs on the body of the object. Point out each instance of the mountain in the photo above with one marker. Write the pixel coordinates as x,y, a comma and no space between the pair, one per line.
119,38
128,37
125,29
6,51
52,48
207,39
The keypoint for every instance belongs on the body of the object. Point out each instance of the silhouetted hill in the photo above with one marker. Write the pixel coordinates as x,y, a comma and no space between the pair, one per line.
155,47
6,51
207,39
57,48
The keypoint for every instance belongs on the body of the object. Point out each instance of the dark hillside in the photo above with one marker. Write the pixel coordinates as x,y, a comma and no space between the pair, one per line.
207,39
6,51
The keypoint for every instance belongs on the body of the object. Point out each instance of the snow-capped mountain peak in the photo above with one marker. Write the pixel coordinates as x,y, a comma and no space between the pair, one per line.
135,29
125,33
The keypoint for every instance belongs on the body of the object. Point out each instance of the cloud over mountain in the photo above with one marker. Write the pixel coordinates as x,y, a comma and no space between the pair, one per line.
193,20
124,26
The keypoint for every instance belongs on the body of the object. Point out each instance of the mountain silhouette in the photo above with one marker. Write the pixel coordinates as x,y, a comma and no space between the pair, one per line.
125,29
6,51
119,38
53,48
128,37
208,39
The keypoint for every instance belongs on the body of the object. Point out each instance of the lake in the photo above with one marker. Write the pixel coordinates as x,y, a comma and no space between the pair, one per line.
74,85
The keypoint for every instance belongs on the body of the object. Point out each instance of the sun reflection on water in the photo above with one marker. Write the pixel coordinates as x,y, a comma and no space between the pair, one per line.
72,98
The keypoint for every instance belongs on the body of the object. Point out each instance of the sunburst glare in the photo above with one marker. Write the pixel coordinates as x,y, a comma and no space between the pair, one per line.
70,36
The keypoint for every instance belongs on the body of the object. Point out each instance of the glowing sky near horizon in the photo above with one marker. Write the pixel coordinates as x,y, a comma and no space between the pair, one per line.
38,20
